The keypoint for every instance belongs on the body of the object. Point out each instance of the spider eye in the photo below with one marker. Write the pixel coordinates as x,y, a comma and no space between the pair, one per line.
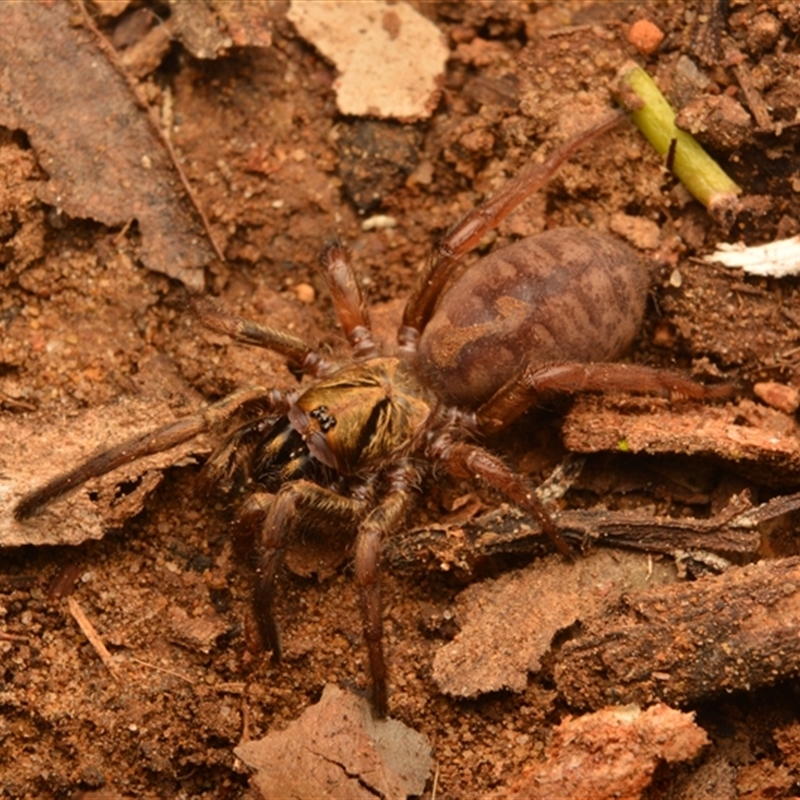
326,420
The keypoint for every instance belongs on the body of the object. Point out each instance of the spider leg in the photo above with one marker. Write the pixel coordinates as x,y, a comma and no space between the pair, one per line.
348,301
386,518
157,441
280,515
467,233
466,460
295,350
522,391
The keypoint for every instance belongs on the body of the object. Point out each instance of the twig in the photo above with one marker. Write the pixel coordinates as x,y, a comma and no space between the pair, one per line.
111,55
462,547
14,637
162,669
655,118
93,636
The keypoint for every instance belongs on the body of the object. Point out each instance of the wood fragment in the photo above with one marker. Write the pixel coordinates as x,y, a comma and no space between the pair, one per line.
462,547
755,102
90,632
688,642
632,742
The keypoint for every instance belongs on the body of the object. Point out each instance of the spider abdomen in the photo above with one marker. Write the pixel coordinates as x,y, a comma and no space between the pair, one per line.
564,295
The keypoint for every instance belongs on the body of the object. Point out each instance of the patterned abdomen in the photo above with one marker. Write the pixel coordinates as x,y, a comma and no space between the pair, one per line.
564,295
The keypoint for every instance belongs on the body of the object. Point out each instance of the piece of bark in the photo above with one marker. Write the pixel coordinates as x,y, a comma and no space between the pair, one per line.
337,750
688,642
611,753
759,442
508,624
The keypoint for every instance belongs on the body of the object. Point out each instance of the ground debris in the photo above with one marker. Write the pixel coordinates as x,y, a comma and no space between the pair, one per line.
759,441
684,643
72,105
390,58
337,750
611,753
507,625
209,30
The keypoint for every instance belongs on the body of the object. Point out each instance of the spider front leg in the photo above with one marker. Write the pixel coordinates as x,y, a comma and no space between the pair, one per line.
280,516
536,381
158,441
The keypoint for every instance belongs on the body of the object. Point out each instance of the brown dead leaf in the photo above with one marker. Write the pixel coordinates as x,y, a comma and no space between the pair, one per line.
507,624
337,750
103,159
611,753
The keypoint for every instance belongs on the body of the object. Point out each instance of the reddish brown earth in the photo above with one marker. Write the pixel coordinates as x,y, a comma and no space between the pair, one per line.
93,311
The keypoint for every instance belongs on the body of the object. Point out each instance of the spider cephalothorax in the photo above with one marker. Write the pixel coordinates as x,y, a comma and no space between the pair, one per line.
349,452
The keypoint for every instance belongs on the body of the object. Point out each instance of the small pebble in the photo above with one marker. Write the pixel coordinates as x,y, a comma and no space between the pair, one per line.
378,222
645,36
778,395
305,293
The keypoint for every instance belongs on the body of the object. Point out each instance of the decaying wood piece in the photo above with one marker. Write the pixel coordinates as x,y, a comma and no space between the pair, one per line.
758,442
461,546
682,643
612,753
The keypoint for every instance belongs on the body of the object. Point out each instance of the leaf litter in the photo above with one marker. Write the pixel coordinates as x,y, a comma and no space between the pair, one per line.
517,93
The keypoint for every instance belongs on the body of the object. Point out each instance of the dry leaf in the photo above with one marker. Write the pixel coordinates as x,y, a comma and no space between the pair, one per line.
337,750
102,157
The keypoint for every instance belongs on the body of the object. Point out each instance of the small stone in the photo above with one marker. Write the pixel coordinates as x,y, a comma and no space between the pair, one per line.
640,232
763,33
645,36
305,293
778,395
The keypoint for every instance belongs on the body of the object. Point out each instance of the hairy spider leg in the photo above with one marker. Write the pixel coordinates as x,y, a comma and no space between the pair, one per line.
535,380
386,518
348,301
161,439
466,460
299,354
280,517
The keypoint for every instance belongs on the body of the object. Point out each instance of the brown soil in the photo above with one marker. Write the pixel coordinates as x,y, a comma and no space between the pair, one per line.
278,173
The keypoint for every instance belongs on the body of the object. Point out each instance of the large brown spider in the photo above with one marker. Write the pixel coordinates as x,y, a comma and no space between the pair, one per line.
548,314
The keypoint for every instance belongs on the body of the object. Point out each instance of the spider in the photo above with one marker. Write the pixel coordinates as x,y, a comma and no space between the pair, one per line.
549,314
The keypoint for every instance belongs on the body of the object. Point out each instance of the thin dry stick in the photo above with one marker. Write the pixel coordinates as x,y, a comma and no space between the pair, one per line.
163,669
90,632
111,55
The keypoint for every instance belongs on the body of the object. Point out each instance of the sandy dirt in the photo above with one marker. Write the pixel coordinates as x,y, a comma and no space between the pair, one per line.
89,316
